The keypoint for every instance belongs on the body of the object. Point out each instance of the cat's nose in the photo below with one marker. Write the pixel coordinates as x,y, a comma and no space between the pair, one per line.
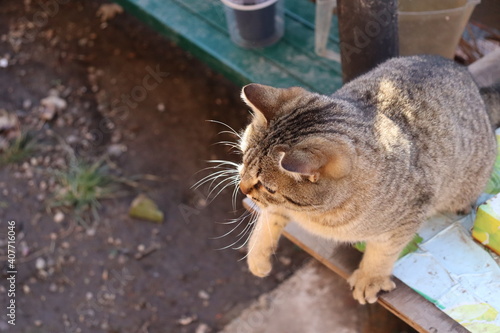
245,189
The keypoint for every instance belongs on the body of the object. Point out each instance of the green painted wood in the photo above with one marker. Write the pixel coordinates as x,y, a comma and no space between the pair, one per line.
199,26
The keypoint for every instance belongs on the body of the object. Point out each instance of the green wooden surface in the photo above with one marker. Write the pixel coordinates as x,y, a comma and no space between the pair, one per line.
199,26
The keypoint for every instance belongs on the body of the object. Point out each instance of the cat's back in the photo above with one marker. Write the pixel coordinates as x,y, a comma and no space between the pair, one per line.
430,124
410,82
428,97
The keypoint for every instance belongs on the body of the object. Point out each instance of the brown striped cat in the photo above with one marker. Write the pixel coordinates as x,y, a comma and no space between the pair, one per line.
369,163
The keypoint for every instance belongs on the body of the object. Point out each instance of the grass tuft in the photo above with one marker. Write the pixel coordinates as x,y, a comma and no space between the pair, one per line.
81,187
19,149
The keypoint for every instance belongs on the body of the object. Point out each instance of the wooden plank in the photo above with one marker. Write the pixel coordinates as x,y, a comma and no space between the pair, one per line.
343,260
199,26
486,71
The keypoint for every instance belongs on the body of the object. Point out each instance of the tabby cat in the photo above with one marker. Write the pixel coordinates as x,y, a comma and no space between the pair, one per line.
369,163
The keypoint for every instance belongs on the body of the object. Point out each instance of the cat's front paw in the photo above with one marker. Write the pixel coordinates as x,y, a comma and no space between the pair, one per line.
366,286
259,265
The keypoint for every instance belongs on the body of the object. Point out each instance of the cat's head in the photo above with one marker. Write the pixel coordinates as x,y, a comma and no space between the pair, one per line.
291,157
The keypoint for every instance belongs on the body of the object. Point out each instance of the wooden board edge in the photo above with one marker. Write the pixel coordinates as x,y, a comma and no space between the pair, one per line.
347,260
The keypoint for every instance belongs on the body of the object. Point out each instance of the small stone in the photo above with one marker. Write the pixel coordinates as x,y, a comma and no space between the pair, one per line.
27,104
28,174
203,295
90,232
40,263
186,320
8,121
71,139
143,207
37,323
160,107
60,122
141,248
82,42
89,296
50,106
43,186
122,259
58,217
285,260
4,62
26,289
24,248
108,11
202,328
53,287
280,276
116,149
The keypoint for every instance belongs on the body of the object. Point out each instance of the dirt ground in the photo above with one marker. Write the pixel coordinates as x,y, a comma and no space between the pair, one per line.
139,104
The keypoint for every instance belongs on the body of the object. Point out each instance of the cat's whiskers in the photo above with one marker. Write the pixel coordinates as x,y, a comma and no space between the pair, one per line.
223,162
255,216
231,130
242,233
232,221
230,183
235,147
221,179
224,175
270,233
230,174
210,177
240,220
235,193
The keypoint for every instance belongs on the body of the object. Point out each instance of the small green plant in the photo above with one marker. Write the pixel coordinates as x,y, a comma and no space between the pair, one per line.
19,148
81,187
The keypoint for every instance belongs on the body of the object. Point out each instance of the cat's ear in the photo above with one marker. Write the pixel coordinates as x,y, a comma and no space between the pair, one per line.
266,102
317,157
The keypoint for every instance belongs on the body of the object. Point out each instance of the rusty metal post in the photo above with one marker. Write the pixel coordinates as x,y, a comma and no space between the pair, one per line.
368,32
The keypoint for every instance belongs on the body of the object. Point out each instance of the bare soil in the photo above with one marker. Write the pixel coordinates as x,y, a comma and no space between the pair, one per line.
140,104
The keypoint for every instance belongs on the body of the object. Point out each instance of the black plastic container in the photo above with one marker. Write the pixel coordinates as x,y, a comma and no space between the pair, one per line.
255,23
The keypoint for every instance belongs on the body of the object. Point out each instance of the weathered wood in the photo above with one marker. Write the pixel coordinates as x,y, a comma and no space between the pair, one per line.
343,260
199,26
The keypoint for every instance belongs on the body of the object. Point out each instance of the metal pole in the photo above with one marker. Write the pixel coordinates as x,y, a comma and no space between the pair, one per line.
368,32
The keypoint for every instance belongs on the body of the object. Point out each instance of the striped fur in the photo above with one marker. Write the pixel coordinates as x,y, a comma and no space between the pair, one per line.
368,163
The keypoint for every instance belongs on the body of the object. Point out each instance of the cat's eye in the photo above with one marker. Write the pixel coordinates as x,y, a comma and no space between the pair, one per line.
259,184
